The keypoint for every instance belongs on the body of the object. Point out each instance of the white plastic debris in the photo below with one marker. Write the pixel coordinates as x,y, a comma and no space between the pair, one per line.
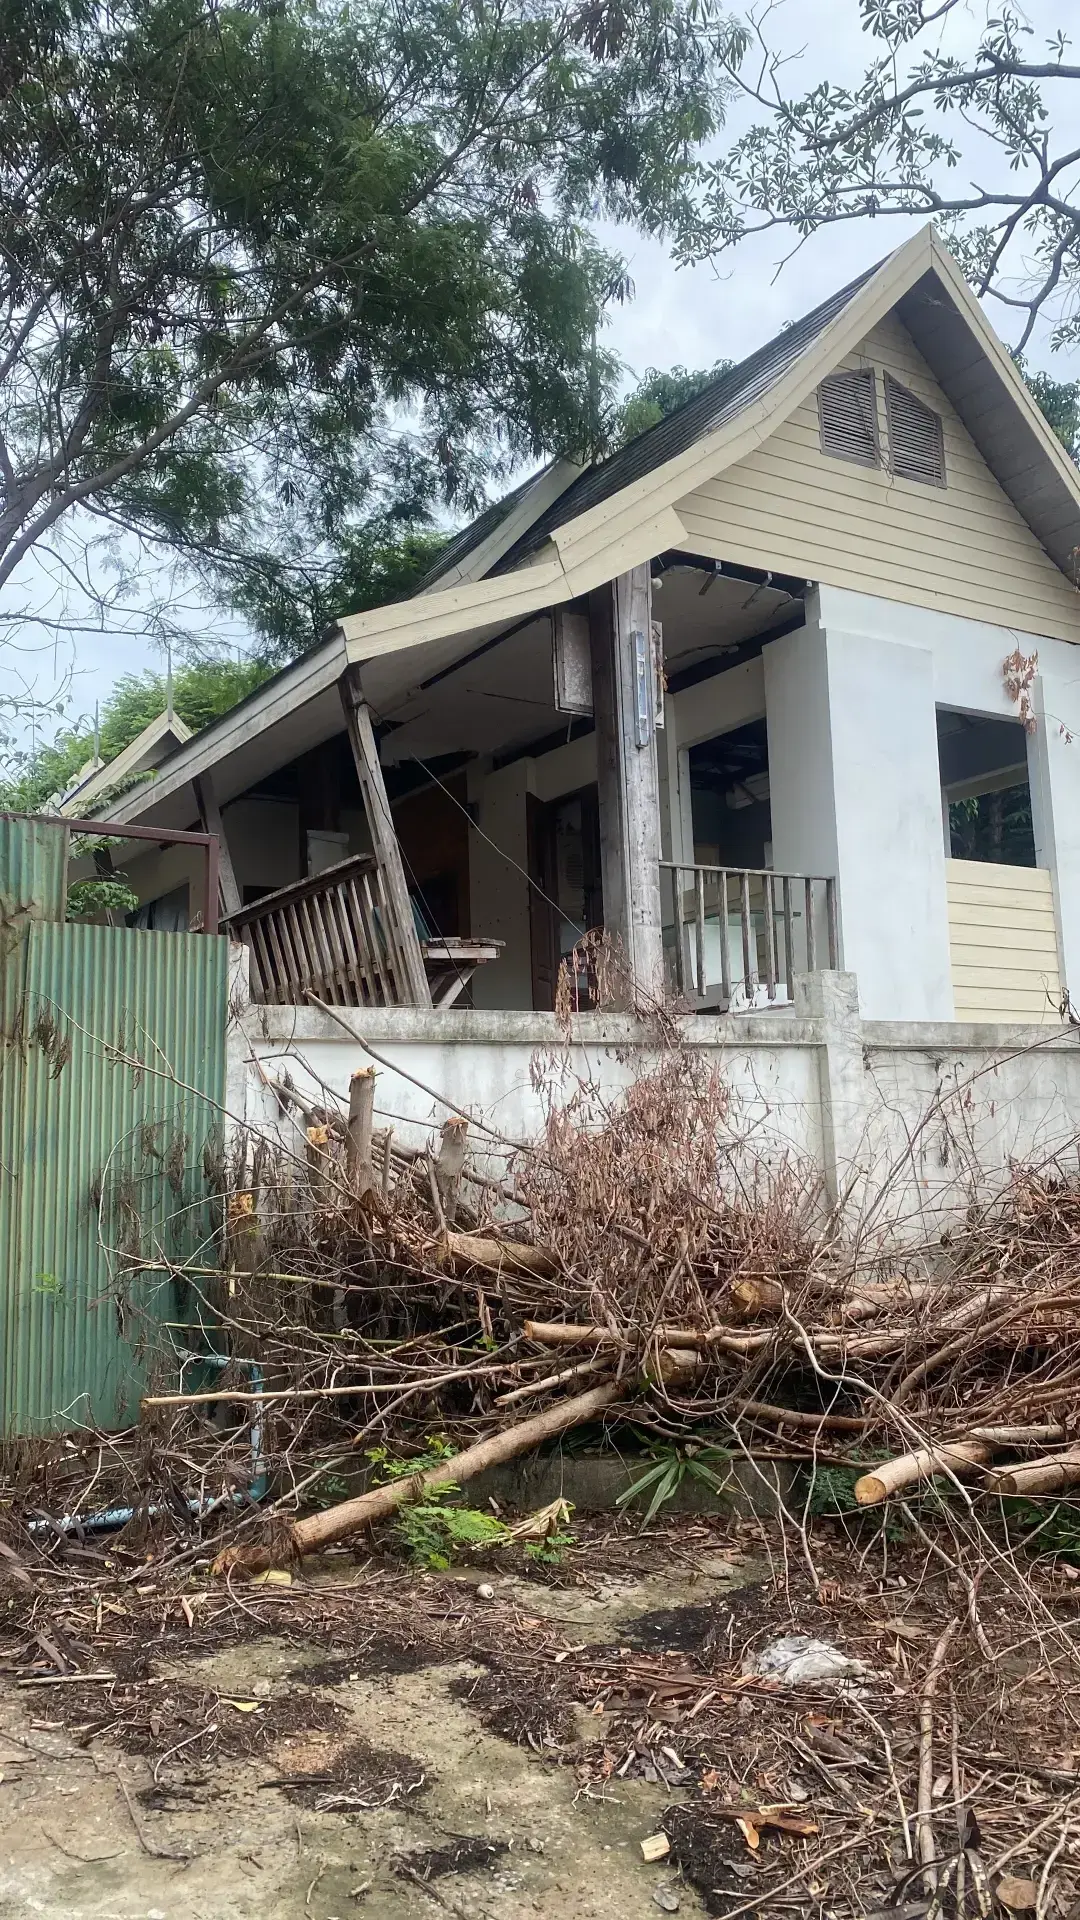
798,1658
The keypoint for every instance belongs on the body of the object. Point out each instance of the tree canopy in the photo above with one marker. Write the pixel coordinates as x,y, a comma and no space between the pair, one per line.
962,115
201,692
657,394
272,268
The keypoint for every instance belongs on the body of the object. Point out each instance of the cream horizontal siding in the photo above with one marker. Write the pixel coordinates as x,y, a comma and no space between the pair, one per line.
962,548
1002,942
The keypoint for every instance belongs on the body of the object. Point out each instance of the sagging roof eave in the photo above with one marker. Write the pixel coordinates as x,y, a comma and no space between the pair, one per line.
266,706
548,580
126,761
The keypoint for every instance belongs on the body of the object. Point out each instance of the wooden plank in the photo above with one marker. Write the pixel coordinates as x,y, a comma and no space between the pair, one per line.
345,942
210,815
402,930
384,987
991,873
983,1004
262,972
1012,960
1008,951
1002,914
279,972
1021,980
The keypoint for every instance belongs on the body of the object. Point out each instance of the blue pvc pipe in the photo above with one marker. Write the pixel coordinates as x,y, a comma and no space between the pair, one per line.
109,1518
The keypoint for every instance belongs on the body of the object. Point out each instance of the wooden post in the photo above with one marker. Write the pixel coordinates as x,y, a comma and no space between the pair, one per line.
384,840
450,1164
210,815
361,1172
624,702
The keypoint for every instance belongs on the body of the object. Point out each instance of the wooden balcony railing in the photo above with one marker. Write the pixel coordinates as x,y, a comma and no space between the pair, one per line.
335,935
736,937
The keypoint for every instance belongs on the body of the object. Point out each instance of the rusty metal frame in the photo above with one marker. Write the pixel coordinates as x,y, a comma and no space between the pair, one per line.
165,836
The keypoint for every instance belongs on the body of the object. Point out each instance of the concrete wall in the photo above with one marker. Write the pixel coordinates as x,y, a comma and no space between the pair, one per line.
899,1123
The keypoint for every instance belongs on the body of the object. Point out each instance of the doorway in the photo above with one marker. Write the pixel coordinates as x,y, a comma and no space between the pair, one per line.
566,898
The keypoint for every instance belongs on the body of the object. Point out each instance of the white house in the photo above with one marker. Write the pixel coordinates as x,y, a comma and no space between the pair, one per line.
744,693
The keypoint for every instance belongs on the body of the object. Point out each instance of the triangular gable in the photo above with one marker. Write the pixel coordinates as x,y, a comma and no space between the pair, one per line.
147,751
959,546
972,365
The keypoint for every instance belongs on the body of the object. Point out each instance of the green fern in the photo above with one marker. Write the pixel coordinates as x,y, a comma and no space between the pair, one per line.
435,1535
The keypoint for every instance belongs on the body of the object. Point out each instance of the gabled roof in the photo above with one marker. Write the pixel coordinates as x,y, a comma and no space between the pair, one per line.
717,403
148,749
563,533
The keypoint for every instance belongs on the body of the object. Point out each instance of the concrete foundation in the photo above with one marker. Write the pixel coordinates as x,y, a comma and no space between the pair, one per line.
901,1123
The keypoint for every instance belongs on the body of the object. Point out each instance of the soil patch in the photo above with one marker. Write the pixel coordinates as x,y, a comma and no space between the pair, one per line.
163,1717
357,1779
711,1854
465,1854
380,1653
536,1714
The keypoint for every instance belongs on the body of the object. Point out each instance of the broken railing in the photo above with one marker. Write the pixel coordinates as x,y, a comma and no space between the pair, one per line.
336,936
736,937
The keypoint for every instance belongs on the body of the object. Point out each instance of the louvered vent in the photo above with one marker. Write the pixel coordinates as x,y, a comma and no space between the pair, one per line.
847,412
916,441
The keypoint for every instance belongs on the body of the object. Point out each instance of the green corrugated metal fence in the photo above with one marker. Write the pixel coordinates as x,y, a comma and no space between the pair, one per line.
112,1082
33,871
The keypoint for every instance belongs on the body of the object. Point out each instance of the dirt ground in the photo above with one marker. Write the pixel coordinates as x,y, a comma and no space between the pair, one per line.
429,1812
496,1742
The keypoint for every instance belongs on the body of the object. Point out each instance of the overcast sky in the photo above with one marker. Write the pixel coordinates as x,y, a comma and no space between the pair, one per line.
691,316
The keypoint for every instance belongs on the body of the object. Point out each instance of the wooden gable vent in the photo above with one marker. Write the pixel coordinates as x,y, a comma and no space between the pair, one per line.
916,440
847,416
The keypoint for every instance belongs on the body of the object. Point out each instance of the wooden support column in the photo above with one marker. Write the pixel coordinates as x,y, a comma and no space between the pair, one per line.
402,933
210,815
624,703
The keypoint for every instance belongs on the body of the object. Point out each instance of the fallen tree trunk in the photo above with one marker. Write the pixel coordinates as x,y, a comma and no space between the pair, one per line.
466,1250
1052,1474
892,1476
324,1529
879,1297
336,1523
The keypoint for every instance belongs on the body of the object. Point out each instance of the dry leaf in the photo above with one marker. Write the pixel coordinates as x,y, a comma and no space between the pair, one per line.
904,1629
749,1832
656,1847
1016,1894
273,1577
242,1706
710,1781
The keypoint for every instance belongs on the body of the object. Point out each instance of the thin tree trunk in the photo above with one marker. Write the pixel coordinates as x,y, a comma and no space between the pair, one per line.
337,1523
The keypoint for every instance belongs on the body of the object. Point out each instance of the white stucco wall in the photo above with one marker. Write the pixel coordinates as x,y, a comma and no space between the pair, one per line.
1054,775
853,771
